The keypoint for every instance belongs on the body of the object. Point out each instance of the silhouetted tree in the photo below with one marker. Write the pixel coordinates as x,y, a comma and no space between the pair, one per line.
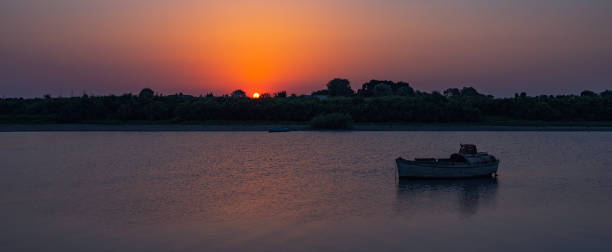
281,94
321,92
367,89
401,88
405,91
383,90
238,94
588,93
469,91
418,107
452,92
146,93
339,87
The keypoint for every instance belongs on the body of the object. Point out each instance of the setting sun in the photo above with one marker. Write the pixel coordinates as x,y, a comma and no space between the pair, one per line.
255,95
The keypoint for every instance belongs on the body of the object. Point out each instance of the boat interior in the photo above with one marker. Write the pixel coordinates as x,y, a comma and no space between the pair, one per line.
455,158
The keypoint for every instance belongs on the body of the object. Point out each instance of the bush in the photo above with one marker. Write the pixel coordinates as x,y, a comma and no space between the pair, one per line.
332,121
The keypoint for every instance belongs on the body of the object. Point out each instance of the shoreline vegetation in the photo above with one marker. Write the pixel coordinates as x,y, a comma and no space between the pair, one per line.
377,105
199,127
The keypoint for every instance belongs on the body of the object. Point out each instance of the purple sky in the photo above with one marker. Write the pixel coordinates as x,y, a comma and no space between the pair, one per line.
66,47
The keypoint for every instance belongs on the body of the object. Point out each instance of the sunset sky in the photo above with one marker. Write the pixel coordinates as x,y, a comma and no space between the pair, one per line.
60,47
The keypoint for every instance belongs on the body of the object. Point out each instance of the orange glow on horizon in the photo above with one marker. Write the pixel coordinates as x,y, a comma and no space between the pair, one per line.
268,46
252,45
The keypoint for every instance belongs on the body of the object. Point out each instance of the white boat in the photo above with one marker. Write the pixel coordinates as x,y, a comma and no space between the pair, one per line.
465,164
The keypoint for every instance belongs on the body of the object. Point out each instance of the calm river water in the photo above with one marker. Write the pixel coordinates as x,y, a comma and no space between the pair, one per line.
300,191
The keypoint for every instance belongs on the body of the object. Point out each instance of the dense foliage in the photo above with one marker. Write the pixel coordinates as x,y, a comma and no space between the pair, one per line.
377,101
332,121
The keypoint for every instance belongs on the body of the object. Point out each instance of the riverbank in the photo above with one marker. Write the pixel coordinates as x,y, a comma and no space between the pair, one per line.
294,127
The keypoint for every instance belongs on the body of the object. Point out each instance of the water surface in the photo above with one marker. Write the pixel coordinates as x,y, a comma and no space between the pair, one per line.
299,191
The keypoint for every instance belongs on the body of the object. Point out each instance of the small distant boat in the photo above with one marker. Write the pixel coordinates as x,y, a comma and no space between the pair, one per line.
465,164
273,130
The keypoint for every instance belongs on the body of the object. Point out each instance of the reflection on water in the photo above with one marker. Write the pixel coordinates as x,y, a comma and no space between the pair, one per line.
464,196
299,191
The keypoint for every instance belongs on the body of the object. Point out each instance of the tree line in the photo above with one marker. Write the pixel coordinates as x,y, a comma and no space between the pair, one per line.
375,101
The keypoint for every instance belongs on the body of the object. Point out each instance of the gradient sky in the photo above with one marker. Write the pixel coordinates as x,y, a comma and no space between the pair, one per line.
60,47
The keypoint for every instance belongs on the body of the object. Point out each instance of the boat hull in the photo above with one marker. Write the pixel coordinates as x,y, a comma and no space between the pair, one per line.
412,169
276,130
